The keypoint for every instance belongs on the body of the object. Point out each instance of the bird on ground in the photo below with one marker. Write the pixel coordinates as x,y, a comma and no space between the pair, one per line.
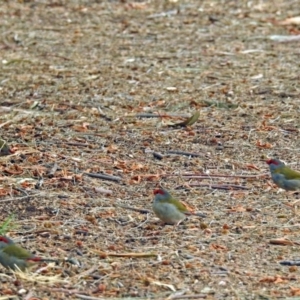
283,176
13,256
168,209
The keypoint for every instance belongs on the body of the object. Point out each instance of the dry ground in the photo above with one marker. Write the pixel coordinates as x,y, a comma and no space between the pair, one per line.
75,76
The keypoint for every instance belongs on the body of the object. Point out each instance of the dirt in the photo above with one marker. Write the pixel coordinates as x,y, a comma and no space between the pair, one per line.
94,87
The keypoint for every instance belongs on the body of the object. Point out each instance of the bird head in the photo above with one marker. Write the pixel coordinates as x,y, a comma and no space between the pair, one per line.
9,247
6,240
274,164
161,195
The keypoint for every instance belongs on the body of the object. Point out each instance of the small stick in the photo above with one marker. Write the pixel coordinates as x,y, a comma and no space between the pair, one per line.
290,262
5,123
88,272
103,191
184,153
68,291
207,176
20,190
141,224
103,115
221,186
77,144
151,115
148,115
196,296
158,155
204,176
19,198
103,176
283,242
143,211
129,254
85,297
52,170
54,55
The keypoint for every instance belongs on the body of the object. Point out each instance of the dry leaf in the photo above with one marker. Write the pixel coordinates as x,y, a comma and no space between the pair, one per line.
282,242
259,144
295,291
273,279
252,167
218,247
238,209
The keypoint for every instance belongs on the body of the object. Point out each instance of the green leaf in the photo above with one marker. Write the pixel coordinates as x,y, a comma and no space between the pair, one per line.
4,227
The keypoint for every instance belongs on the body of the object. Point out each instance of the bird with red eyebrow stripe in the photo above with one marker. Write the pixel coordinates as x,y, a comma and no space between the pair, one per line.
168,209
15,257
283,176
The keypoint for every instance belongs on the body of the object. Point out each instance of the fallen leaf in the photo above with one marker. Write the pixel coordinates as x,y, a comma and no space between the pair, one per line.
237,209
295,291
218,247
259,144
282,242
252,167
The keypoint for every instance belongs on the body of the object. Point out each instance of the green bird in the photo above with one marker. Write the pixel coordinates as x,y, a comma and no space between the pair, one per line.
13,256
283,176
168,209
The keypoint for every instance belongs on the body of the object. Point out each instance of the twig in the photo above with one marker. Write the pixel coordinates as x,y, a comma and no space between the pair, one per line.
102,114
52,170
290,262
62,290
195,296
148,115
20,198
184,153
54,55
129,254
141,224
87,272
103,176
221,186
20,190
283,242
85,297
103,191
151,115
5,123
285,38
157,155
140,210
77,144
205,176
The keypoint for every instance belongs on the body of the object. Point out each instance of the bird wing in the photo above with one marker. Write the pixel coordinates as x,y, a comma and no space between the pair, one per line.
16,251
288,173
188,209
179,205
